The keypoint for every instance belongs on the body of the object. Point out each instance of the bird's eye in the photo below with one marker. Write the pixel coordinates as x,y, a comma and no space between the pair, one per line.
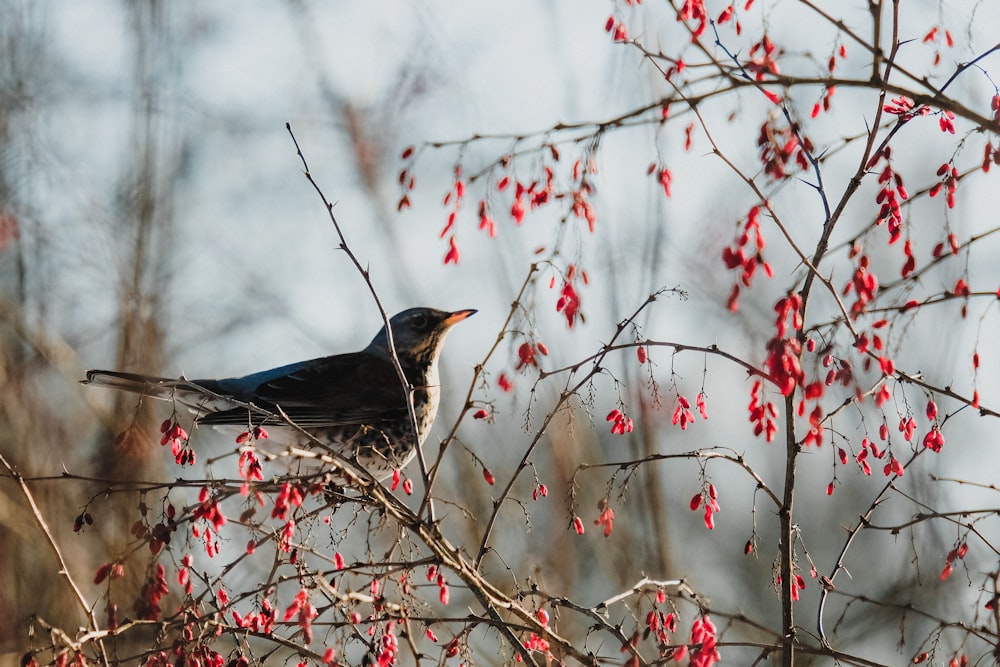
419,322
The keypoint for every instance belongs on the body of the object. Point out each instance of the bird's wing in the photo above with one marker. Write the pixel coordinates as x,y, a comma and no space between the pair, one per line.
355,388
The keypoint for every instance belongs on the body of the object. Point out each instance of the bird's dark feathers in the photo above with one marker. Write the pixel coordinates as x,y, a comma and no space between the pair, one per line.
357,388
354,401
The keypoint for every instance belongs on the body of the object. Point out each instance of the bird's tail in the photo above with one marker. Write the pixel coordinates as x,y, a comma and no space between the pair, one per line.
148,385
199,396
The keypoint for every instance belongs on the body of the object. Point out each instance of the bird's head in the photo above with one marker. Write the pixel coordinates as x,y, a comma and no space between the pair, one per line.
419,333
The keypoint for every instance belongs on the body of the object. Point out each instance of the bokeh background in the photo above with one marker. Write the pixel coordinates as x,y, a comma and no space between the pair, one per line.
155,218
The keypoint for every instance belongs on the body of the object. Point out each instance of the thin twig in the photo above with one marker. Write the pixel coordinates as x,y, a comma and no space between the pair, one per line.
50,539
408,389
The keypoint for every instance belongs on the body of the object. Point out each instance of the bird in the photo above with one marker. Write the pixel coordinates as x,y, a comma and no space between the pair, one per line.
353,404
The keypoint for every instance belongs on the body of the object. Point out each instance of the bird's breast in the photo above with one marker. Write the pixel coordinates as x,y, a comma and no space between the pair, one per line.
426,396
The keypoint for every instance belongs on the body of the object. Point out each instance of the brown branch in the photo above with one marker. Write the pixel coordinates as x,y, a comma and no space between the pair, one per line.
564,396
50,539
477,374
704,454
366,275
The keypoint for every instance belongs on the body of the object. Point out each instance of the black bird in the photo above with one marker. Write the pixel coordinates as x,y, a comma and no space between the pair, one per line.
352,403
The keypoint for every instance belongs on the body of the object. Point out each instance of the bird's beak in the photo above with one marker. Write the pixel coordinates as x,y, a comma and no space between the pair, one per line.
458,316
